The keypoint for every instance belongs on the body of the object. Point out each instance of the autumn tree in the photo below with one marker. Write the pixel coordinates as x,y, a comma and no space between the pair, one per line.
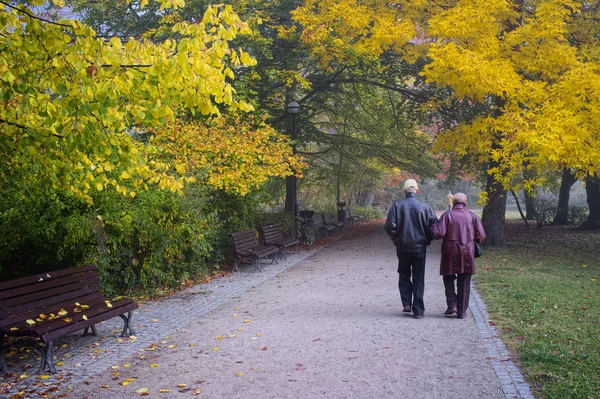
533,63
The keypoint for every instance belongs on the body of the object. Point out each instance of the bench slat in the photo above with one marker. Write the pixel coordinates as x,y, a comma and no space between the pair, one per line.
50,291
5,285
44,286
42,303
89,300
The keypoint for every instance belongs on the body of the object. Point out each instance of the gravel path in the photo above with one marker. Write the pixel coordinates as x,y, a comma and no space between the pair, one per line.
325,324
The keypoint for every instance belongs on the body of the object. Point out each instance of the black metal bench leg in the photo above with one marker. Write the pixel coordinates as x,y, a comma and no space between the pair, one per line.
127,324
87,331
257,264
47,358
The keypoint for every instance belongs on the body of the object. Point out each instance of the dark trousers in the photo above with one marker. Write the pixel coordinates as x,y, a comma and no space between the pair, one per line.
458,298
412,264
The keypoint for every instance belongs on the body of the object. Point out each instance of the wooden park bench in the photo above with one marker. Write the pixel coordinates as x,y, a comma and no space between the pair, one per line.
273,235
51,305
352,220
247,247
360,218
330,221
320,227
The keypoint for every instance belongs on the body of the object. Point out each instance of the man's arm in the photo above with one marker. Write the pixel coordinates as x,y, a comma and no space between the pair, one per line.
390,225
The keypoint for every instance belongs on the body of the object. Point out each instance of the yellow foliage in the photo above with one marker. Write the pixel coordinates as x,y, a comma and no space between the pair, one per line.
537,64
70,101
234,155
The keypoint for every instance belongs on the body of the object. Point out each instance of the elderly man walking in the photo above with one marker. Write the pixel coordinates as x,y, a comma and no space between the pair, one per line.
408,224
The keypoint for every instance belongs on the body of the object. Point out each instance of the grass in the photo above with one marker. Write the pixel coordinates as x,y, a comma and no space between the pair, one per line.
543,294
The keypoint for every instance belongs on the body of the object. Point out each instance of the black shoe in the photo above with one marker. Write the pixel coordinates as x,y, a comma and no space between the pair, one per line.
407,309
450,311
462,315
419,316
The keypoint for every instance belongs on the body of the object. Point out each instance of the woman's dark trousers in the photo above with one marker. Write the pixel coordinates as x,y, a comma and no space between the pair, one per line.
412,264
458,298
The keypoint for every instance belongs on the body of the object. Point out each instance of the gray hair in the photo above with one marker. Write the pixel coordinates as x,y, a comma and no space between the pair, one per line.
460,198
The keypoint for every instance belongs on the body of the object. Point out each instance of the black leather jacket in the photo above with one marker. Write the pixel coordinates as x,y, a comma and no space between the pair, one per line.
408,224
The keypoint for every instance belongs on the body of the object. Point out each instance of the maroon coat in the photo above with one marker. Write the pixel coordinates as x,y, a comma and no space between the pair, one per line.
459,228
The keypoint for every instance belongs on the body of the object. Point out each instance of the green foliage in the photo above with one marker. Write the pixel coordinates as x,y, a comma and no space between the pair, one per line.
578,214
369,212
156,240
542,293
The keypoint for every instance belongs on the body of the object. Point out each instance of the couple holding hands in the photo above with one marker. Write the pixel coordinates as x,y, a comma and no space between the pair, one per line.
412,225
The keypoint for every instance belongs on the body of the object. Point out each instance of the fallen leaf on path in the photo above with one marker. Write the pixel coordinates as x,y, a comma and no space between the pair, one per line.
142,390
154,365
316,339
165,391
182,385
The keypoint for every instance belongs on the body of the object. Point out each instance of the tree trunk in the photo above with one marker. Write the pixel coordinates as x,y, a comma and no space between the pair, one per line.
290,194
592,189
530,210
562,210
494,213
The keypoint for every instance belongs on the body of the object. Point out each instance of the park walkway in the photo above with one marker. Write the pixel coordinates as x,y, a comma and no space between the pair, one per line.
325,324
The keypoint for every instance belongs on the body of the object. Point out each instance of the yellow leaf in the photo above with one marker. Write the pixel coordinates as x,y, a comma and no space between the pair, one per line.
60,363
238,375
218,338
30,322
215,348
84,317
62,312
247,321
165,391
127,365
181,385
125,383
105,386
154,365
67,319
14,329
114,367
108,304
25,375
44,377
171,346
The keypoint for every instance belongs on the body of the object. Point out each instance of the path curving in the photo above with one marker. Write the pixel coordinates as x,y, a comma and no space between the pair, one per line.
325,324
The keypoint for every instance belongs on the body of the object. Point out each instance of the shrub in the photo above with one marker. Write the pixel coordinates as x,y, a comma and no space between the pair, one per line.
578,214
369,212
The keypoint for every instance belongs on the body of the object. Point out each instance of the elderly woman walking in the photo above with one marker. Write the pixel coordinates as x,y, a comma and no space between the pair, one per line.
459,230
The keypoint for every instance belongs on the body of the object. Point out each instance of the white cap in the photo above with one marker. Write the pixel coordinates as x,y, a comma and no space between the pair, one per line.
410,183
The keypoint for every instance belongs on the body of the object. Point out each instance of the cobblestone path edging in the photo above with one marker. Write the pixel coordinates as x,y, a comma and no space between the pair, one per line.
511,380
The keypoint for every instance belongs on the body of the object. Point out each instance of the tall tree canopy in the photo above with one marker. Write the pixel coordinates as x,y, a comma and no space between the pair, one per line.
73,101
533,63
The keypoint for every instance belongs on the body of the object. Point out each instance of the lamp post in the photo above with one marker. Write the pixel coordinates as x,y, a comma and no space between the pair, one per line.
293,108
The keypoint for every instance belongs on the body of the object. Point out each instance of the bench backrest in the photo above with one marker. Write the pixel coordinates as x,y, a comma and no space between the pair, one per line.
318,221
328,218
271,233
244,240
50,291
